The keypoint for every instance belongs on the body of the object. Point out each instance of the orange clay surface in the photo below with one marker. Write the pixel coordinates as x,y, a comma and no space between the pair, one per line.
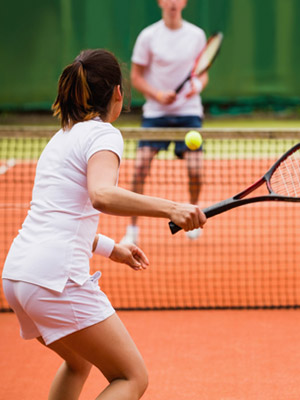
192,355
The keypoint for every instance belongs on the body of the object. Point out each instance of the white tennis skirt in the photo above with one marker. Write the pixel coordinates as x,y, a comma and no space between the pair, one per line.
53,315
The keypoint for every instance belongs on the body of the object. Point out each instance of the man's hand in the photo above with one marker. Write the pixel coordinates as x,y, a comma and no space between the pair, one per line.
166,97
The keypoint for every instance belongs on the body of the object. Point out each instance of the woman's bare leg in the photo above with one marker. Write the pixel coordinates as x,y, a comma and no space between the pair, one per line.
109,347
71,375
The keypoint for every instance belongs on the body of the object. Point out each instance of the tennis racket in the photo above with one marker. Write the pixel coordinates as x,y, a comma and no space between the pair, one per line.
282,181
205,58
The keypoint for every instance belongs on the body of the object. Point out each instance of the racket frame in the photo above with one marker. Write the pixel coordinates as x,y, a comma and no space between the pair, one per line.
239,199
192,74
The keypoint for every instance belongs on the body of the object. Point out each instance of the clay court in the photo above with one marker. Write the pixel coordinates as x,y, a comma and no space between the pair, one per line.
215,318
195,355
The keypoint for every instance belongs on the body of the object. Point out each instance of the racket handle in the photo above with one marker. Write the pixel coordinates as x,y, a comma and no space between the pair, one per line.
177,90
228,204
174,228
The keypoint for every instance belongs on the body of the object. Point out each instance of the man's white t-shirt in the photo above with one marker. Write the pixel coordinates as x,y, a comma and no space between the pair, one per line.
55,242
168,56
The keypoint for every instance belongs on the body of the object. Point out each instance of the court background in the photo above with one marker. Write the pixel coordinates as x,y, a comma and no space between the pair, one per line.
257,67
215,355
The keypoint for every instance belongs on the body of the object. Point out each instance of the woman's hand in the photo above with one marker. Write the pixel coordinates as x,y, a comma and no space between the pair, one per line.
131,255
187,216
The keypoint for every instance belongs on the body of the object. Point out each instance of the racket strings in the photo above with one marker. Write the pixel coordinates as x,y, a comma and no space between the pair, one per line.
285,181
208,54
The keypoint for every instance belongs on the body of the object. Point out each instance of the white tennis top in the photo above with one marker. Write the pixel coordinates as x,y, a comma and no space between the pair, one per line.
169,56
55,241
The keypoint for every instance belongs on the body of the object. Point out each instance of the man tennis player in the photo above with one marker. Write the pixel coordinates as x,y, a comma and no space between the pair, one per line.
163,55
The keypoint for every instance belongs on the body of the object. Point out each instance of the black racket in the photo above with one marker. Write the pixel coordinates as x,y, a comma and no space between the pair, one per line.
205,58
282,180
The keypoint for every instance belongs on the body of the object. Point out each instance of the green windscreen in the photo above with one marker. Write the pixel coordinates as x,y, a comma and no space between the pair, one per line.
258,63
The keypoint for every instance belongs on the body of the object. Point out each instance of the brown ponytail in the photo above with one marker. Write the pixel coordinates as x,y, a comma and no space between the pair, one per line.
86,86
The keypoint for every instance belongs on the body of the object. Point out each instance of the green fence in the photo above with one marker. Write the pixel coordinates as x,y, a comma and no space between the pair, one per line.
258,65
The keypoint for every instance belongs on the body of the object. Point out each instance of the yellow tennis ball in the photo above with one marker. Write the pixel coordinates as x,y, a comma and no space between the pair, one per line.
193,140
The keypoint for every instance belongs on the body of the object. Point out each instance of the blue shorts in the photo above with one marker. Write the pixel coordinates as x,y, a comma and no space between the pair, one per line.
188,121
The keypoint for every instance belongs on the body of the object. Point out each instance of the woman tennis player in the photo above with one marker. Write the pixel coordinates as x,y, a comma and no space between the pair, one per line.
46,277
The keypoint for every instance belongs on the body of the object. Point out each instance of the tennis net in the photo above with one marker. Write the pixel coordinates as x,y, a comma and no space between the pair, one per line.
245,258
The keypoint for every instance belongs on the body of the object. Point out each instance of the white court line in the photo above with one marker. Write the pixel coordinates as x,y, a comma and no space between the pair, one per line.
14,205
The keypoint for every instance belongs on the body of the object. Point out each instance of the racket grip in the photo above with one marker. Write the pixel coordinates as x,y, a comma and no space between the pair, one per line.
174,228
177,90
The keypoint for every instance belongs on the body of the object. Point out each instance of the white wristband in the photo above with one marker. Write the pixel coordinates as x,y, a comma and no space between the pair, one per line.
198,86
105,246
